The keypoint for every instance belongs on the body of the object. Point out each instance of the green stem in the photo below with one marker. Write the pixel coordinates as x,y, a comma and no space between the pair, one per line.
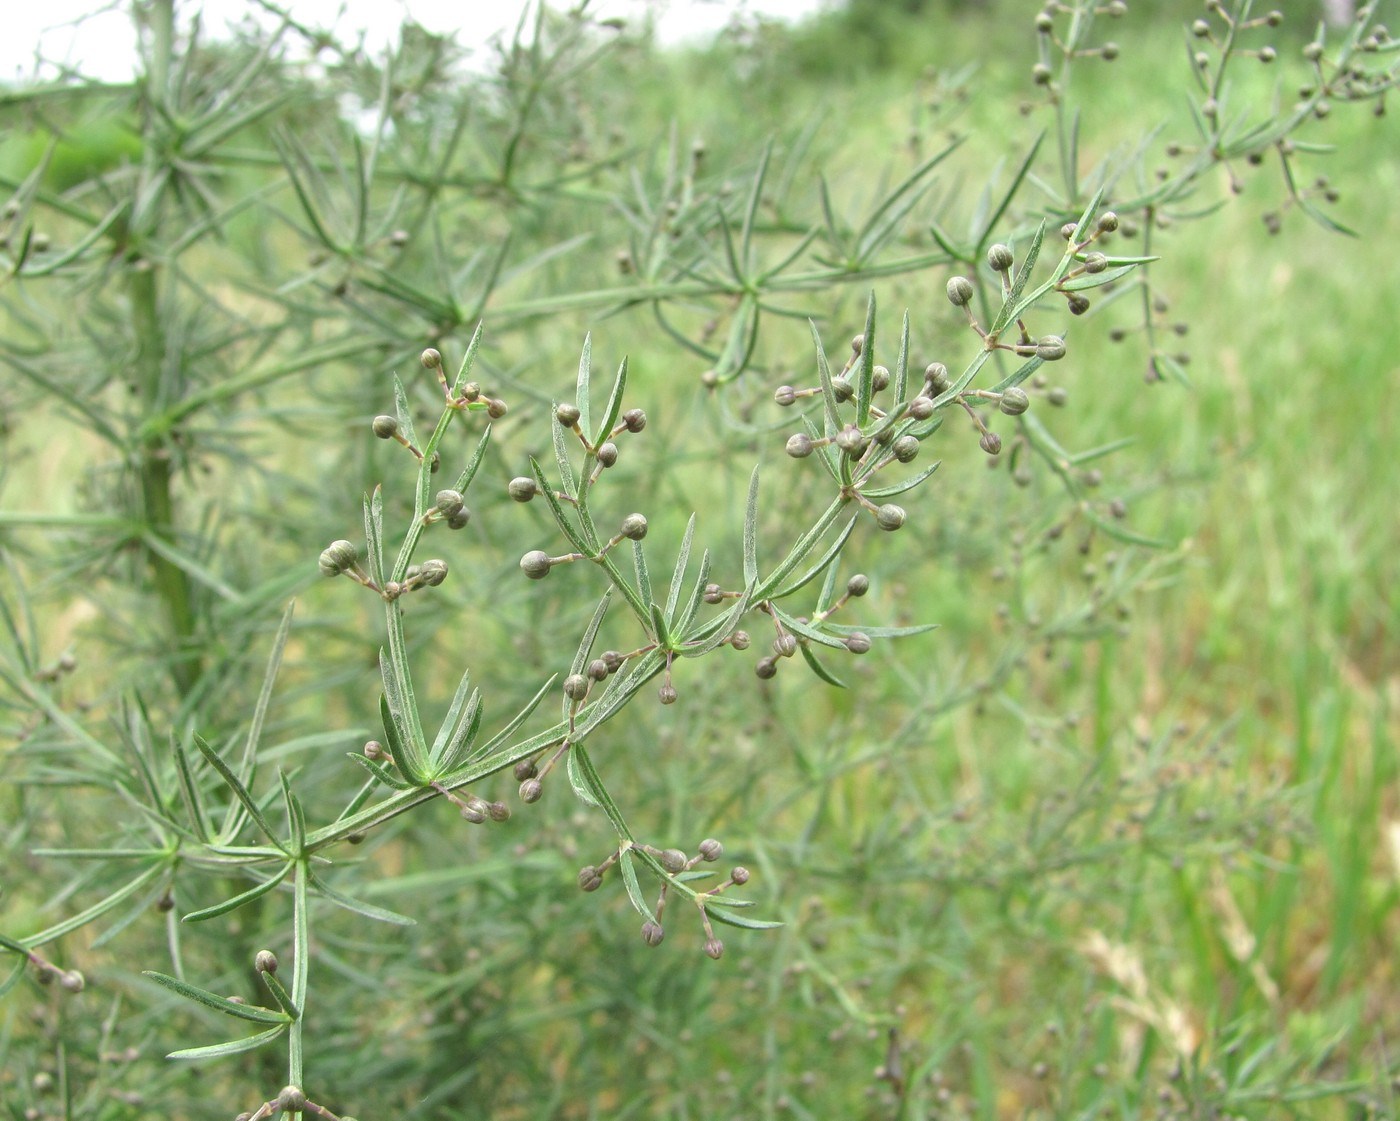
301,950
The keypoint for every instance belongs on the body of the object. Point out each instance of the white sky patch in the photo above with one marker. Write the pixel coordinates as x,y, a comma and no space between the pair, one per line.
98,39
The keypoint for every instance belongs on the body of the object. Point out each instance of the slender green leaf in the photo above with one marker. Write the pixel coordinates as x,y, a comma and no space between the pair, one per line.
729,918
875,494
468,361
832,420
232,1047
358,906
240,791
634,889
678,573
1011,307
614,409
565,526
374,542
751,530
218,1003
820,670
257,891
639,564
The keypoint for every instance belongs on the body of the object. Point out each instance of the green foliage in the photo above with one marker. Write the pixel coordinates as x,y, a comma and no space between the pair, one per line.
1006,865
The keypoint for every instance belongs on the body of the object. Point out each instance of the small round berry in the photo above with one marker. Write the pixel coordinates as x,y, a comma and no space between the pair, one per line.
906,449
431,359
1050,348
890,517
799,445
858,585
634,527
536,564
785,395
575,686
652,933
990,443
522,488
1015,401
337,557
711,850
385,427
1000,257
567,415
960,291
607,453
634,419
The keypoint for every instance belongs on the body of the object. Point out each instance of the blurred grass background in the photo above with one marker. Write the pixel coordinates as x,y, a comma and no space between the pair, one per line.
1149,872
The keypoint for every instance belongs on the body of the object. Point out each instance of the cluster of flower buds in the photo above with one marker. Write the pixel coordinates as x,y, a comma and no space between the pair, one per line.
341,558
292,1100
470,397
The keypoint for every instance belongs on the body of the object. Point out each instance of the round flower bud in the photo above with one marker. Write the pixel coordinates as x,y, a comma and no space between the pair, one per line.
431,359
990,443
879,378
459,519
522,488
613,660
635,420
291,1099
496,408
852,441
857,344
766,668
265,962
498,811
1050,348
449,501
667,694
1040,74
960,291
842,389
740,876
1078,304
785,395
72,981
337,557
589,878
607,453
711,849
385,427
1067,230
1200,29
785,645
567,415
740,640
434,463
1000,257
1267,54
1015,401
1044,23
921,407
906,449
531,790
1109,51
936,377
673,860
473,814
598,669
575,686
536,564
1312,52
523,769
857,643
858,585
652,933
713,593
889,516
714,948
634,527
1058,396
799,445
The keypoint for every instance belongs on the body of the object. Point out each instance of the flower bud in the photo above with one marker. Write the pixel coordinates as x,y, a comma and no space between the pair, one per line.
1058,396
598,669
990,443
921,408
667,694
799,445
291,1099
1040,74
879,378
857,585
523,769
531,790
740,876
739,640
522,488
589,878
635,420
842,389
1109,51
960,291
575,686
567,415
785,645
857,643
265,962
785,395
72,981
936,377
1000,257
1015,401
889,516
496,408
536,564
337,557
673,860
714,948
766,668
1050,348
449,502
711,849
1108,222
1044,23
652,933
431,359
713,593
607,453
634,527
906,449
852,441
1078,304
385,427
857,344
